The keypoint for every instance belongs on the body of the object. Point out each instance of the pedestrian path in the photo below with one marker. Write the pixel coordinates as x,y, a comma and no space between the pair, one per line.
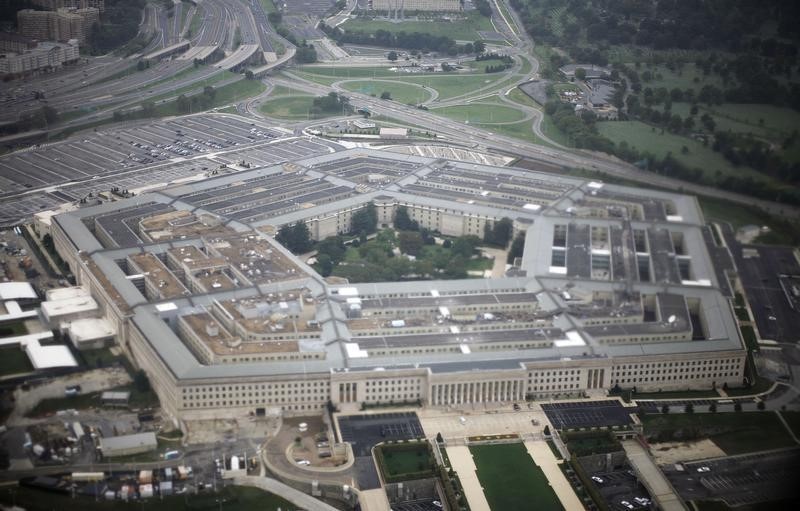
546,460
461,461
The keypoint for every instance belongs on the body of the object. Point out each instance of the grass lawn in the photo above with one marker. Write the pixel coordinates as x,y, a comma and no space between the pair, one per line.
293,108
460,30
782,232
231,93
761,385
196,23
749,336
517,96
138,399
448,85
14,361
478,113
479,66
236,498
399,460
268,6
644,137
687,77
734,433
793,420
401,92
13,329
511,480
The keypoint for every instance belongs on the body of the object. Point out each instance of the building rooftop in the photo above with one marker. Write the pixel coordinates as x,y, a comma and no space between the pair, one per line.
599,261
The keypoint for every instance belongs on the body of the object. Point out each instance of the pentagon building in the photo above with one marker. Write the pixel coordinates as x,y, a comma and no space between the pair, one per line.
616,286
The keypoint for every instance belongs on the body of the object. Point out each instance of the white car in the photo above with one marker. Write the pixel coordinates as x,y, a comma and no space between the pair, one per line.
703,469
598,480
626,504
303,463
437,504
642,501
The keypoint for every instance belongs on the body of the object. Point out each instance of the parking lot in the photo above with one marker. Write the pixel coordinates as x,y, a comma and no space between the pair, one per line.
364,431
619,487
764,272
588,414
739,480
147,155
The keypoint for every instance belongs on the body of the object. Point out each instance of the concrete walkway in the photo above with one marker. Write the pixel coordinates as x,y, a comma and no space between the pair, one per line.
461,461
654,480
374,500
296,497
544,458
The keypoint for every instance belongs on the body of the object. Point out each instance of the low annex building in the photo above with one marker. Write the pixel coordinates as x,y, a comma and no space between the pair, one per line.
616,286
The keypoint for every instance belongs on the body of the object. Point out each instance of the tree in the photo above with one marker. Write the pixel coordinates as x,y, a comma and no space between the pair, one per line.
712,407
325,264
333,247
464,246
689,408
665,409
439,438
517,248
478,47
500,233
546,430
296,237
410,242
580,73
737,407
403,221
141,381
386,95
365,220
761,405
392,55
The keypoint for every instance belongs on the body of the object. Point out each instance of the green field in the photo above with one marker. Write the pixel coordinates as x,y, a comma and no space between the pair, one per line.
479,113
687,76
405,461
291,108
734,433
401,92
644,137
479,66
448,85
14,361
511,480
138,399
460,30
234,498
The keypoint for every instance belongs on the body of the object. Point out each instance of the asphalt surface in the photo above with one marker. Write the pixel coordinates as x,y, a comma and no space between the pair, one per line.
740,480
365,431
764,271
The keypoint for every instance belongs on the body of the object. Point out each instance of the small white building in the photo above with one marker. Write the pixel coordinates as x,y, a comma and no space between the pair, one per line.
394,133
89,333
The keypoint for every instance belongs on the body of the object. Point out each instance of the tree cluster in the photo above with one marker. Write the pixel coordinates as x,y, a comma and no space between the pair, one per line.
295,237
365,220
483,7
118,25
332,103
498,233
198,102
410,41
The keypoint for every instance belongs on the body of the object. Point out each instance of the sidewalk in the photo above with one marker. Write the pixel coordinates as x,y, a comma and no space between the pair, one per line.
544,458
461,461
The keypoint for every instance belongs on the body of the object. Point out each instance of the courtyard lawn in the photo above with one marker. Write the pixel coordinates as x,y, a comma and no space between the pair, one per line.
478,113
13,360
460,30
733,432
401,92
292,108
405,461
644,137
511,480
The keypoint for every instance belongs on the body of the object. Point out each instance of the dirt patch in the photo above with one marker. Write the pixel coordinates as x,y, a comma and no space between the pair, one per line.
668,453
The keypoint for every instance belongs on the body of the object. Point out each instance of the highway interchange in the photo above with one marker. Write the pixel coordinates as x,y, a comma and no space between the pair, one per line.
93,90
